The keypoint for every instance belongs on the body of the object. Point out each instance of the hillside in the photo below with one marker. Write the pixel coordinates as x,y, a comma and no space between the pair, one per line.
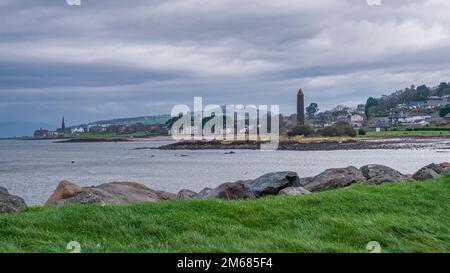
403,217
406,96
161,119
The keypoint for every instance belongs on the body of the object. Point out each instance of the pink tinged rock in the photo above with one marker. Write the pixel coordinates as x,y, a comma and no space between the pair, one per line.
64,190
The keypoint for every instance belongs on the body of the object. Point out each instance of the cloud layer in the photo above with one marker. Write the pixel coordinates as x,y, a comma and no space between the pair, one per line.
114,58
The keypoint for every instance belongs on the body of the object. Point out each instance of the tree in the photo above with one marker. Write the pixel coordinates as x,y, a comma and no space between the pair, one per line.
338,129
422,93
324,118
371,102
444,111
312,109
443,89
302,130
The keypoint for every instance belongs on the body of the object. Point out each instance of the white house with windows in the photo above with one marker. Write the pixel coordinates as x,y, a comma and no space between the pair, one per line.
357,120
418,120
79,130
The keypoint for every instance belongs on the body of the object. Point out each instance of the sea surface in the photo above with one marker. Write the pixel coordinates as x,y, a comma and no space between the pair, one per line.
33,169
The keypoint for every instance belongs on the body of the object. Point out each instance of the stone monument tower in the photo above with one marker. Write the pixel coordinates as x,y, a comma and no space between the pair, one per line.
300,107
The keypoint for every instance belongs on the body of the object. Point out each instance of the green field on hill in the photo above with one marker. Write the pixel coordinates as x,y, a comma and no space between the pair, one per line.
402,217
408,134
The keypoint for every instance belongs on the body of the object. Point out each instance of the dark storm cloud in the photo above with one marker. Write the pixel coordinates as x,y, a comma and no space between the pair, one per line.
34,75
123,58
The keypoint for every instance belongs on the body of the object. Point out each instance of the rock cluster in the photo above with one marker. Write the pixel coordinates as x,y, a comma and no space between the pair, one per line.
432,171
231,191
10,203
272,183
379,174
335,178
278,183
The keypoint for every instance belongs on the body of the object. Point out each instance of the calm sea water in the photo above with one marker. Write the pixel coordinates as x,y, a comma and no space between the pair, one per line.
32,169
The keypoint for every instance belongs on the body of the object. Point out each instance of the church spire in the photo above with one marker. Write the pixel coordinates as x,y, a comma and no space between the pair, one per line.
63,125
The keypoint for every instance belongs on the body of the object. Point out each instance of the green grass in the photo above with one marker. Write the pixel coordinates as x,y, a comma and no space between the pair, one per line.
402,217
408,134
106,135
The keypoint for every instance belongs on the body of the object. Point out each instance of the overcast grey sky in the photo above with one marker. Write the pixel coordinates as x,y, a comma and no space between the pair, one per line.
111,58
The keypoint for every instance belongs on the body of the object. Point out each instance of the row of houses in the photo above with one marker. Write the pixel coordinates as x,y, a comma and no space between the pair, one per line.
130,128
431,103
402,119
43,133
395,119
127,128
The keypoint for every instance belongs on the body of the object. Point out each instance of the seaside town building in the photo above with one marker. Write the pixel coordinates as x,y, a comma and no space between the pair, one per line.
41,133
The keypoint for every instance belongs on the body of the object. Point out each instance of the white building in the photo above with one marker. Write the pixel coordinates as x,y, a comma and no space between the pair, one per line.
357,120
418,120
79,130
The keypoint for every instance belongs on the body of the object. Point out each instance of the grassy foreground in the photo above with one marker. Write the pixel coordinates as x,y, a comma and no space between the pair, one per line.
403,217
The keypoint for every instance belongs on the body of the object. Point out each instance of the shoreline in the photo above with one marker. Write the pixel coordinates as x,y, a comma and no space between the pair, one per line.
332,145
305,144
272,183
96,139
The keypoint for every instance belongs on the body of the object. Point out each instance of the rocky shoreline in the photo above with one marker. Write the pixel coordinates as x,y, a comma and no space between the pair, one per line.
271,184
353,144
92,140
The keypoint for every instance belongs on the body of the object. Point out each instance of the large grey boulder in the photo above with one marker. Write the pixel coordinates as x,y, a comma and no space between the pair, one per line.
293,191
432,171
379,174
303,181
203,193
425,173
335,178
168,195
186,194
272,183
231,191
91,196
10,203
115,193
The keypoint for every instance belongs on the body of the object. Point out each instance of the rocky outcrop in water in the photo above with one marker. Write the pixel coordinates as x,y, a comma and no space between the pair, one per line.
10,203
379,174
212,145
335,178
311,145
